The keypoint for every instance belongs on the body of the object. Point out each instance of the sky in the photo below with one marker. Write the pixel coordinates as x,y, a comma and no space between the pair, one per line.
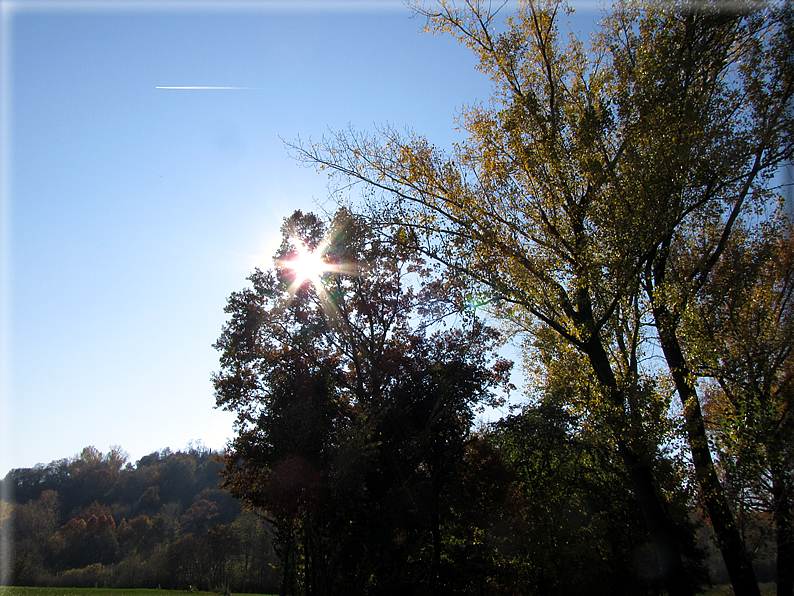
131,211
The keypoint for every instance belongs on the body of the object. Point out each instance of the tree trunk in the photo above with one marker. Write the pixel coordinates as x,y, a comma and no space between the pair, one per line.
781,495
729,540
660,526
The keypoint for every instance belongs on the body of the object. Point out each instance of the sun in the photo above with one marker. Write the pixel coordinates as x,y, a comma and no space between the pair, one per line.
308,265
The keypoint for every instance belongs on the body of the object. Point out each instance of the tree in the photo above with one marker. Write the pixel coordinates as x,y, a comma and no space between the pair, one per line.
351,417
6,554
579,507
579,177
486,531
83,542
722,131
199,517
256,551
740,329
34,523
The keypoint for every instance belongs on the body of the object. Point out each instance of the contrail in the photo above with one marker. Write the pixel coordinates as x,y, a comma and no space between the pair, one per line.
195,87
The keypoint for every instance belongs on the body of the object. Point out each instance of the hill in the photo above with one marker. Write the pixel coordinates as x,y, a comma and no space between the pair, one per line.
97,520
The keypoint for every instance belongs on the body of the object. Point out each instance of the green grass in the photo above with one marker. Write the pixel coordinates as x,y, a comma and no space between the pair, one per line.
25,591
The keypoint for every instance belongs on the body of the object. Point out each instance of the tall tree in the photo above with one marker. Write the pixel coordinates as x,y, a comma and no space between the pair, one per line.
585,166
34,523
351,416
721,128
739,330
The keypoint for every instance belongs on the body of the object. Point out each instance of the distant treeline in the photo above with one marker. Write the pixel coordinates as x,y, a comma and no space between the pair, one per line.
97,520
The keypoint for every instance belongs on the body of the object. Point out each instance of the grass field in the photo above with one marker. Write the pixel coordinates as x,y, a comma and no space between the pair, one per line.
14,591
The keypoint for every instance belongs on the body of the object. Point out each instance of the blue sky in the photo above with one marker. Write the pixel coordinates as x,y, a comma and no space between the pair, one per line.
131,212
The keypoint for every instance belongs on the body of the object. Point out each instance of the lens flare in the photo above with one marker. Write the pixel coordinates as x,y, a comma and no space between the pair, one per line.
310,269
308,265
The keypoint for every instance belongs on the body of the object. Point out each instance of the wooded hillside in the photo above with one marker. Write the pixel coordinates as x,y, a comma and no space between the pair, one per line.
96,519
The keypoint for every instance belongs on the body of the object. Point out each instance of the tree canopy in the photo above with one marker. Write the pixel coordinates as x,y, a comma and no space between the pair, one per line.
594,196
353,414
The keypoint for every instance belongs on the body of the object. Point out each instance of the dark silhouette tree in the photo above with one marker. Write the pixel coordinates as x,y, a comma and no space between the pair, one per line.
352,418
